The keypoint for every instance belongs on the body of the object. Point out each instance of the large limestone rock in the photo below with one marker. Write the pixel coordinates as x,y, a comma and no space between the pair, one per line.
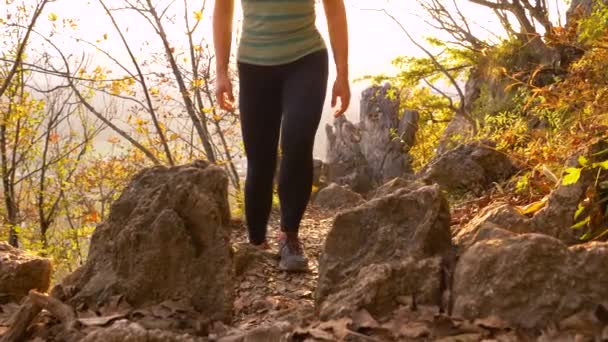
389,247
375,150
21,272
166,238
530,280
346,164
381,133
471,167
335,196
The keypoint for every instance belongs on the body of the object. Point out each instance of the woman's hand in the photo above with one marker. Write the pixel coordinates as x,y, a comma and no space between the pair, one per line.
223,92
338,35
341,90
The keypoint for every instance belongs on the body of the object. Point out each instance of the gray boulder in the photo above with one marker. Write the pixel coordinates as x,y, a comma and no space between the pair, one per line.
389,247
472,167
529,280
335,196
167,238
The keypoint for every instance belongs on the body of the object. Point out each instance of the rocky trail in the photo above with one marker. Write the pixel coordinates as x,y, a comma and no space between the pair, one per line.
400,263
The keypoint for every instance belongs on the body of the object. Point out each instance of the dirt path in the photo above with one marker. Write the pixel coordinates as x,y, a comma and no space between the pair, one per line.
264,293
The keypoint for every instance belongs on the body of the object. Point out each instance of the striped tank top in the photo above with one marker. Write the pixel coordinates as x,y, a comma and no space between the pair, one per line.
278,31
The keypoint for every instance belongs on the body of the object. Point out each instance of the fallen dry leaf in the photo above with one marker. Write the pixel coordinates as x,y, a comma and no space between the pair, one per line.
315,333
177,306
413,330
339,327
99,321
492,323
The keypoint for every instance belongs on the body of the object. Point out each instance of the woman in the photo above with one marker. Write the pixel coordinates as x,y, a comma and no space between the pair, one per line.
283,69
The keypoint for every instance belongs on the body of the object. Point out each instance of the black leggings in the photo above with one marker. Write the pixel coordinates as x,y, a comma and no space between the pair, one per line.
287,101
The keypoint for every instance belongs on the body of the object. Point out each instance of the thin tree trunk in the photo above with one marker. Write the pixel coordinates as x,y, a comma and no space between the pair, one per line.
202,131
146,91
21,49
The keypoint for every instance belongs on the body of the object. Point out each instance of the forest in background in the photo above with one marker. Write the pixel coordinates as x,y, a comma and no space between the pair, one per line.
538,90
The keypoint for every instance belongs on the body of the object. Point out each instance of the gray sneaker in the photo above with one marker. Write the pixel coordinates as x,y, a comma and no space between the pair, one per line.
291,256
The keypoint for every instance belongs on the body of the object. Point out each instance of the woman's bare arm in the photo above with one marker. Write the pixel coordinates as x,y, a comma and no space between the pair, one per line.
222,32
338,35
222,40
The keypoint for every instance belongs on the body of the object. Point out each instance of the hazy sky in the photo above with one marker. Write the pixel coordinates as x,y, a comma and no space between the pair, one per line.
374,38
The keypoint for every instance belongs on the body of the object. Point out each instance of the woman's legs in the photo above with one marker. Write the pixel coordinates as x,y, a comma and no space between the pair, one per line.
297,91
260,107
304,88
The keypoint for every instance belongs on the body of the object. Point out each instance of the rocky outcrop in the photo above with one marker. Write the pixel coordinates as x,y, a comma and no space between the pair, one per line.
21,272
374,151
472,167
389,247
529,280
346,164
335,196
382,132
166,238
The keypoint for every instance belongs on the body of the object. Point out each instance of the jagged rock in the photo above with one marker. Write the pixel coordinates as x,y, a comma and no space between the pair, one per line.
125,331
471,167
335,196
387,248
375,150
529,280
498,220
166,238
346,164
379,122
394,185
21,272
